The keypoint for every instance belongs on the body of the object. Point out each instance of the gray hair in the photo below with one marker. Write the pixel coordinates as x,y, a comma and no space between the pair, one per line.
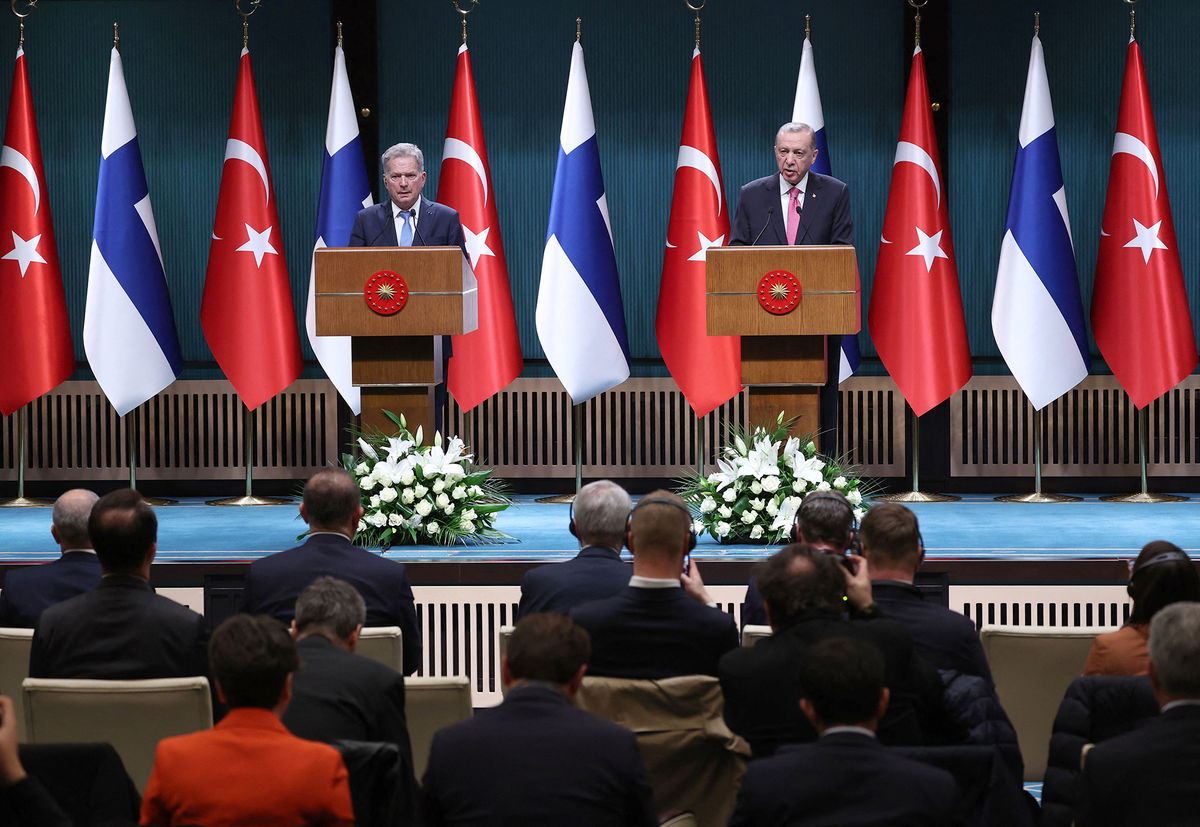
403,150
70,517
1175,649
601,513
332,606
797,126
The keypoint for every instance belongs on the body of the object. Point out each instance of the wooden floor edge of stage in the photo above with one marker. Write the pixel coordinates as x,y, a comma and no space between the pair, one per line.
715,572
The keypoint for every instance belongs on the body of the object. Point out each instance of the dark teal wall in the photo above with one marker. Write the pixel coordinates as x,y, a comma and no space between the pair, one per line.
181,61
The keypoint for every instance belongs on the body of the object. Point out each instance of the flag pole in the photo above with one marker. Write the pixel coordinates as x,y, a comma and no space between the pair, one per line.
916,495
577,440
21,501
1145,495
1037,495
702,444
131,453
249,498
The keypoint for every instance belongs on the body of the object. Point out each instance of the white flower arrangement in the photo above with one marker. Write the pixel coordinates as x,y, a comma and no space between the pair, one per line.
414,493
760,480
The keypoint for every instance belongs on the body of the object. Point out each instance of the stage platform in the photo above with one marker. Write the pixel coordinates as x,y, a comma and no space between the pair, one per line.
976,540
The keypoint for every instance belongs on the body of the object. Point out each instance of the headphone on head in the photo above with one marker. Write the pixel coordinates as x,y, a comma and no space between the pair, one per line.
661,501
851,532
1171,555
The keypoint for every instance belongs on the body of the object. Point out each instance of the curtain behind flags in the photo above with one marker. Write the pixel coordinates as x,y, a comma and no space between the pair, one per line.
247,312
916,315
128,327
489,358
707,368
580,318
1139,304
38,354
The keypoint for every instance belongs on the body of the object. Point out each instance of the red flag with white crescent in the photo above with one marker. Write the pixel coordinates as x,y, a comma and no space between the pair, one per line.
489,358
38,355
1139,304
247,313
707,368
916,314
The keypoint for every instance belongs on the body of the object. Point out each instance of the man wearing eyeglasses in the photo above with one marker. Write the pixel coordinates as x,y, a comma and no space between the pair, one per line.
799,206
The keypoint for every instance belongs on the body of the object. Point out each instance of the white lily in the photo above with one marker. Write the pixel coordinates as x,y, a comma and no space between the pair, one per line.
367,449
725,476
397,448
787,513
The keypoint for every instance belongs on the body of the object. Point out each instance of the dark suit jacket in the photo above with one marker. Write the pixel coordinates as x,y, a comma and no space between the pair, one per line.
536,759
824,219
843,780
1148,776
120,630
762,688
274,582
338,695
31,590
437,225
655,633
596,572
946,639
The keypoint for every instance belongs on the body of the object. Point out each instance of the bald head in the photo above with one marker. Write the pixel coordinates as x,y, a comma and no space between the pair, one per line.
332,501
69,519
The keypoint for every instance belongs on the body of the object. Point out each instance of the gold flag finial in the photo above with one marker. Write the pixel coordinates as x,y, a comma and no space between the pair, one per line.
1037,23
339,43
116,36
807,26
30,6
463,12
696,6
917,21
578,29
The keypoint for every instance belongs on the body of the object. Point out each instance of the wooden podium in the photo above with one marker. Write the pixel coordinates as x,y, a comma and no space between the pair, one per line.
396,354
783,352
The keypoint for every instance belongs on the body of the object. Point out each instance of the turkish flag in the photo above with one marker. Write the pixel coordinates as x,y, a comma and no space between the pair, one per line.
247,313
487,359
1139,305
707,368
38,355
916,314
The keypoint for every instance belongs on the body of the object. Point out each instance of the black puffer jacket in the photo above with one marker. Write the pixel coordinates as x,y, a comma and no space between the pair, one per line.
1094,708
971,701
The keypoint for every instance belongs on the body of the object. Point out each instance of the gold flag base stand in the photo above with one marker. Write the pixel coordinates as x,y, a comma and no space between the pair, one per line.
917,495
249,499
26,502
1038,495
1145,495
21,501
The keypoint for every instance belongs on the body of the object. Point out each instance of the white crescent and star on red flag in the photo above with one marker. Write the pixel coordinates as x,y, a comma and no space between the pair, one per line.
258,242
928,247
24,250
1145,236
474,241
690,156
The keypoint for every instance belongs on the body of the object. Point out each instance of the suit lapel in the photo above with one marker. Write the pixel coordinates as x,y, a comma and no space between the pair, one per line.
813,205
428,222
388,226
778,220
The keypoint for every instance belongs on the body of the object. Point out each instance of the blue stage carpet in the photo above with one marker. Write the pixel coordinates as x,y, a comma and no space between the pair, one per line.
976,529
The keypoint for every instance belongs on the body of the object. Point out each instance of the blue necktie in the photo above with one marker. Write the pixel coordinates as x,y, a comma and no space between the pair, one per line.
406,232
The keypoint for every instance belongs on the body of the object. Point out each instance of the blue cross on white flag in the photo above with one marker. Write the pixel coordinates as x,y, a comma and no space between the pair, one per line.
344,191
1037,315
128,328
580,319
807,109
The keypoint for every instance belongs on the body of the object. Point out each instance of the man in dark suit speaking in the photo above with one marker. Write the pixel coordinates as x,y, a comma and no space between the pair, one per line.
799,206
407,218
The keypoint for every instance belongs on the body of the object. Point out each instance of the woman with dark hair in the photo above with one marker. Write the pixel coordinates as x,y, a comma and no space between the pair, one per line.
1162,574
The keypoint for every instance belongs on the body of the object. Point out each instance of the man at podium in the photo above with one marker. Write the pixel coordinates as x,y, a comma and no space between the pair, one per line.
799,206
409,219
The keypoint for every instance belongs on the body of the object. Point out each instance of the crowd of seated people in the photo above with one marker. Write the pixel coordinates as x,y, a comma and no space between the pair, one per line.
844,707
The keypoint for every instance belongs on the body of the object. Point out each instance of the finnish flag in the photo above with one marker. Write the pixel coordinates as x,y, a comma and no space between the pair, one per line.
1037,313
580,319
128,328
344,191
807,109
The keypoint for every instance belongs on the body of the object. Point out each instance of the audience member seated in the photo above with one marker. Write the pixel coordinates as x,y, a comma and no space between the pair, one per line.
248,769
536,758
1162,574
804,589
332,507
598,518
31,590
824,520
24,802
1152,774
337,694
121,629
846,777
891,541
664,623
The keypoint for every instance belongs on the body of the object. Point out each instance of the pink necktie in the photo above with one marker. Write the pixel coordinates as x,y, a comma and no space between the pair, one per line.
793,222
